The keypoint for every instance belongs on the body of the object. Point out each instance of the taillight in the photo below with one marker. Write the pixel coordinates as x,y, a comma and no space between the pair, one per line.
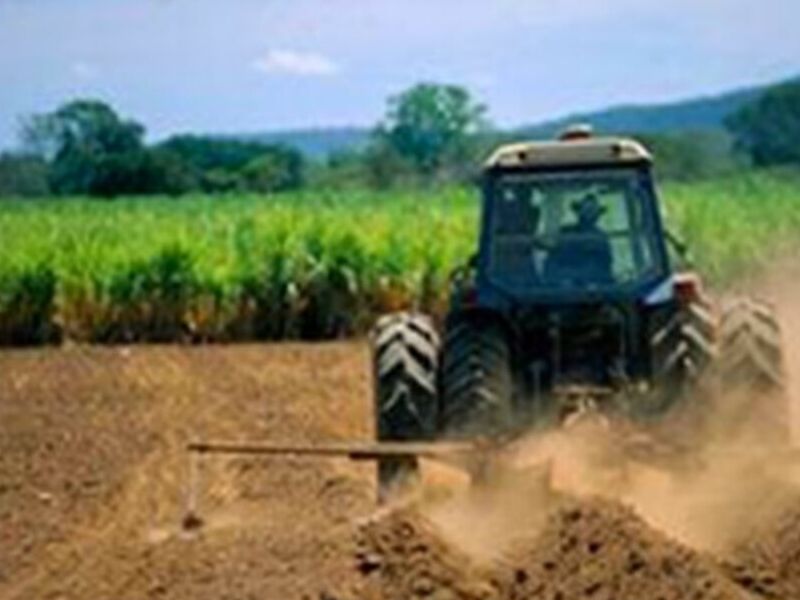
688,289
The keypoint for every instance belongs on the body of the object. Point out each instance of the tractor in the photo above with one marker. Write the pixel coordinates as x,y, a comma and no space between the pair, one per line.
578,297
578,302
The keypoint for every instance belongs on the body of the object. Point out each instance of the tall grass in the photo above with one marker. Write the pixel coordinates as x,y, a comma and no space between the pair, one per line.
302,265
738,225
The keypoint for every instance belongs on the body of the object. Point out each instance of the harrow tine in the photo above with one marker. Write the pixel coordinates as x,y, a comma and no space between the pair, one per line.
191,519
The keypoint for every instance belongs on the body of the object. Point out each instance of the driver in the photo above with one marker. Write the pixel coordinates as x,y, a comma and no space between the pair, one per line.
583,250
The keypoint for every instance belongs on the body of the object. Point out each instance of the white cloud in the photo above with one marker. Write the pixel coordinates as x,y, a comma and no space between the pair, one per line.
291,62
83,70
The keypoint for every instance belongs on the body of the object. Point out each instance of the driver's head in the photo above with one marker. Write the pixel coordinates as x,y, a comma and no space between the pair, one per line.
588,210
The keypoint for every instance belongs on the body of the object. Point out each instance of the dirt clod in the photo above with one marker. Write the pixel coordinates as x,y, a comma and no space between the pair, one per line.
192,521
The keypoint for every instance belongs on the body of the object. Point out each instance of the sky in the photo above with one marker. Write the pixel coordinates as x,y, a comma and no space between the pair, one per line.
233,66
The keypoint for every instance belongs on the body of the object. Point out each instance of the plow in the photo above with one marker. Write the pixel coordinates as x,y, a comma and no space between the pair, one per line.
487,462
579,310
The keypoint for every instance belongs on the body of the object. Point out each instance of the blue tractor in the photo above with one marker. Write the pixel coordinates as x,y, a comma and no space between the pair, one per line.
576,299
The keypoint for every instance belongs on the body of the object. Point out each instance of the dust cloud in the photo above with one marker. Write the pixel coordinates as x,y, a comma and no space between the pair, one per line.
732,482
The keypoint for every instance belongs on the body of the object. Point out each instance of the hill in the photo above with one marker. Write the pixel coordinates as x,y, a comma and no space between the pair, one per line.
702,113
317,142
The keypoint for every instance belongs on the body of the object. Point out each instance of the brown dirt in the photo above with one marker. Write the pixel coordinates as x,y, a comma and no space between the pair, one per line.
602,550
403,556
93,482
769,562
589,548
93,476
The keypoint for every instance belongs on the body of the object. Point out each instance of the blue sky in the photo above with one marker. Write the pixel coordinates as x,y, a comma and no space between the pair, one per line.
254,65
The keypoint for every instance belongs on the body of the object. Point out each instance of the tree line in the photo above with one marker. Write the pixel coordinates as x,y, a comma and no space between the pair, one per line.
429,134
86,148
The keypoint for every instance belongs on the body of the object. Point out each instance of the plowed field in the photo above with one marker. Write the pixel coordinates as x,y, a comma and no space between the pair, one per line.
94,484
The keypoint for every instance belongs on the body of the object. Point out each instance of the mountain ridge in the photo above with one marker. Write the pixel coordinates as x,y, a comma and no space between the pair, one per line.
704,112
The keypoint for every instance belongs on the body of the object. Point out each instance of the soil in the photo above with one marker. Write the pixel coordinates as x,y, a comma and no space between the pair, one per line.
93,473
94,484
768,563
602,550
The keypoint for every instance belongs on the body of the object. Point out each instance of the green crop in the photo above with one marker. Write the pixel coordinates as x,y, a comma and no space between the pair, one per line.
304,265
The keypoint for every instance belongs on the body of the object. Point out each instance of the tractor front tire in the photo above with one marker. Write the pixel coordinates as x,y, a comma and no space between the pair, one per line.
476,378
405,353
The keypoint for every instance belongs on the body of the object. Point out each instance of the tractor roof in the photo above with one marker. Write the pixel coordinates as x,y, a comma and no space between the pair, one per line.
579,151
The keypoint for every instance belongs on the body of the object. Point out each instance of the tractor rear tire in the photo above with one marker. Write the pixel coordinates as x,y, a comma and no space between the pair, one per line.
405,352
751,370
476,379
683,351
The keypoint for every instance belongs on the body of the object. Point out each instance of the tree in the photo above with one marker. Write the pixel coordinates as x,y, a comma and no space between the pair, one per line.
204,153
91,150
431,125
768,129
691,154
23,176
341,169
276,170
223,165
385,167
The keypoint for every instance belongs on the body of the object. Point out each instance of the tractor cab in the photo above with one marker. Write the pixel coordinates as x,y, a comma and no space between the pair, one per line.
573,260
569,220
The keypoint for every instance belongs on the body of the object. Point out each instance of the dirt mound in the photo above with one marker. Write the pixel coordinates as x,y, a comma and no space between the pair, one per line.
602,550
769,563
402,556
587,549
